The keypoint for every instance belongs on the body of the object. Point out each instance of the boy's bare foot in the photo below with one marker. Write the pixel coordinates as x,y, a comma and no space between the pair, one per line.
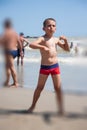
30,110
61,113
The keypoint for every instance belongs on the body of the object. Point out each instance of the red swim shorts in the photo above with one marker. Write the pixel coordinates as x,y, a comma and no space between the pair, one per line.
52,69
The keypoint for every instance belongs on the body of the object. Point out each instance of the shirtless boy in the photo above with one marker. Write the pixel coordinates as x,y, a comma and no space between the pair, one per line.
10,41
49,61
23,40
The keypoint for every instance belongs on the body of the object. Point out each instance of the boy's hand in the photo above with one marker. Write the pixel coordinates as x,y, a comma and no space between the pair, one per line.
62,38
21,54
45,48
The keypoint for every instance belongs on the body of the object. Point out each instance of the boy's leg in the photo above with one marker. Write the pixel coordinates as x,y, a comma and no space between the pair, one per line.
22,58
18,60
57,86
41,83
22,61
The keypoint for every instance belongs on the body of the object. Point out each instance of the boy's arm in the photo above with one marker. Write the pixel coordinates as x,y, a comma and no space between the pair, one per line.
27,42
36,44
63,43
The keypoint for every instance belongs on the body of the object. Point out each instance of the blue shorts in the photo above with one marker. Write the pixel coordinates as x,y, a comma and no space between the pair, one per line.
13,53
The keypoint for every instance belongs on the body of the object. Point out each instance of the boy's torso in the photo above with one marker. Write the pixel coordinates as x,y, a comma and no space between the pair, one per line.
49,57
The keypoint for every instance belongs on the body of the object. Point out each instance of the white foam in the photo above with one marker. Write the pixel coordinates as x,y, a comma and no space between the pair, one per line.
74,60
30,60
66,60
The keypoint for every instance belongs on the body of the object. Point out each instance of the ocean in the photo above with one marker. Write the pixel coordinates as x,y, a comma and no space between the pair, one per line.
73,66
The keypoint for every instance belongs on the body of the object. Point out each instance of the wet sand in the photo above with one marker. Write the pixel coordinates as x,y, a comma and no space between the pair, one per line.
14,103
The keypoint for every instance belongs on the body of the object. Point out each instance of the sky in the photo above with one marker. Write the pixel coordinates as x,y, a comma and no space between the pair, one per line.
28,16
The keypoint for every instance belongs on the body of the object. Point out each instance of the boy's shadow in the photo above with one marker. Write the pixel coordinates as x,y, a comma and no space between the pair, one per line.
45,115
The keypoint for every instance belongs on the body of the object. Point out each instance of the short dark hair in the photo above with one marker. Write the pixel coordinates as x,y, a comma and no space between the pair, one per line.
21,34
7,23
45,21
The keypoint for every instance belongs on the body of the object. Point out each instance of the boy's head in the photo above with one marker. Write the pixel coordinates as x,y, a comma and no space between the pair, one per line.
46,21
21,34
49,26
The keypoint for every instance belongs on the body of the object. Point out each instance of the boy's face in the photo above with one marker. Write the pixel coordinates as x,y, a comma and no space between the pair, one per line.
50,27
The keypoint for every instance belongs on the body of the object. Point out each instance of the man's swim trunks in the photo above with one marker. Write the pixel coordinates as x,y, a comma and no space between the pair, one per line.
13,53
52,69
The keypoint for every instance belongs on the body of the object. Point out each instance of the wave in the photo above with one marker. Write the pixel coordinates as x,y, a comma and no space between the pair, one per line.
70,60
79,47
74,60
66,60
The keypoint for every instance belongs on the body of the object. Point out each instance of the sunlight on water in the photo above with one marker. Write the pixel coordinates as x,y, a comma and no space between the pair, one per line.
73,67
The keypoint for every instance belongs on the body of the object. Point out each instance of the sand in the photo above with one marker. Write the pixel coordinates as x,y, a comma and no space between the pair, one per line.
15,101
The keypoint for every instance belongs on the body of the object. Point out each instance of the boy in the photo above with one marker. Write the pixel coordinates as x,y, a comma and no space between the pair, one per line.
22,39
9,41
49,61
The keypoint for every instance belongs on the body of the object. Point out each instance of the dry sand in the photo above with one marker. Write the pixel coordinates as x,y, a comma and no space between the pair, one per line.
15,101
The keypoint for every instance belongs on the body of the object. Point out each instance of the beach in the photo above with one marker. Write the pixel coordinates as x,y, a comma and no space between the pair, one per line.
14,103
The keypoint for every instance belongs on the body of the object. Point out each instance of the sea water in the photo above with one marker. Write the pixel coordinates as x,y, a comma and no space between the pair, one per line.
73,71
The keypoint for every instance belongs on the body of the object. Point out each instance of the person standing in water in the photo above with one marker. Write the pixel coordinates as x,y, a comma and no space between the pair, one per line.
9,41
23,40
